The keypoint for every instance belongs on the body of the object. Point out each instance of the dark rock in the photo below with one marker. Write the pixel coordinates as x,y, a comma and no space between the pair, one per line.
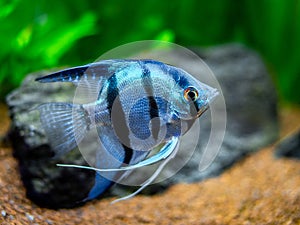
289,147
251,106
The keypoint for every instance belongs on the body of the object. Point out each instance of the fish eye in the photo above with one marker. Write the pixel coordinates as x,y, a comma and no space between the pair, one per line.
191,94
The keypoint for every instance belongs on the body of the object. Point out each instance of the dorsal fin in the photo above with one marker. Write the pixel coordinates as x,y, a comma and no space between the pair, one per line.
66,75
92,71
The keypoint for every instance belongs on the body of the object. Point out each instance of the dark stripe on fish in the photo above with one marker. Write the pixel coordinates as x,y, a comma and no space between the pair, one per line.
193,108
119,120
112,92
153,107
177,77
128,154
170,71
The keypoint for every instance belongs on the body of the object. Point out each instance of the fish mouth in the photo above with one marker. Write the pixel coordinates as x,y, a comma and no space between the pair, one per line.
201,111
212,95
210,98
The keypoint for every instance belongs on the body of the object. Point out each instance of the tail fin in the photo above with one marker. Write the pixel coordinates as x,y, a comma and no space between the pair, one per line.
65,124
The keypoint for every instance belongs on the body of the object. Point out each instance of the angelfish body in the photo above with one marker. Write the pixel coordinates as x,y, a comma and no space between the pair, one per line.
137,106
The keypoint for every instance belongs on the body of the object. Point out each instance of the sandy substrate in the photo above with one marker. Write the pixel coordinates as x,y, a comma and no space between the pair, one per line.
258,190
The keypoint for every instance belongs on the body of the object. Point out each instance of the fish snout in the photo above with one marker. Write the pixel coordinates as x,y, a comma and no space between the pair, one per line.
209,94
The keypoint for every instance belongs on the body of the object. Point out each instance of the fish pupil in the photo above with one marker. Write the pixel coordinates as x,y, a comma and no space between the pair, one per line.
192,95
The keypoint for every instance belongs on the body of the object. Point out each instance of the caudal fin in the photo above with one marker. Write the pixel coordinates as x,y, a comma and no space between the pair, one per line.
65,125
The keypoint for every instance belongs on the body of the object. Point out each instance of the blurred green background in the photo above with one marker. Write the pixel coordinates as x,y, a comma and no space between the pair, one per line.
43,34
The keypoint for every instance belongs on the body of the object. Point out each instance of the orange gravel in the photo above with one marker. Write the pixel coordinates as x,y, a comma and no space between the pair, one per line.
258,190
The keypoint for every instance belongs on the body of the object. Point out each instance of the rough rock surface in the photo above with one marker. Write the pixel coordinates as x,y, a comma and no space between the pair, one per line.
251,123
257,190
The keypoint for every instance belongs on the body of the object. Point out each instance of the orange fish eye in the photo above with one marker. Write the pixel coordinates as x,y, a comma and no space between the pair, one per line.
191,94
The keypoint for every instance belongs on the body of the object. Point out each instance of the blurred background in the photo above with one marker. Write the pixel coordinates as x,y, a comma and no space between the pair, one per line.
38,35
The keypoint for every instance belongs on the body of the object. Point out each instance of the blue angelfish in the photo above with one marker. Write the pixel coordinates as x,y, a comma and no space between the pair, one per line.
138,106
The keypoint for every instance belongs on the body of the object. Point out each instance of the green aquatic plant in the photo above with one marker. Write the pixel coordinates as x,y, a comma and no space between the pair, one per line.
36,38
39,35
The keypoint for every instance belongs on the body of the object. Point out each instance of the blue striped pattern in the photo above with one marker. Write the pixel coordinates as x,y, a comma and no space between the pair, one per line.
121,83
121,124
152,104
